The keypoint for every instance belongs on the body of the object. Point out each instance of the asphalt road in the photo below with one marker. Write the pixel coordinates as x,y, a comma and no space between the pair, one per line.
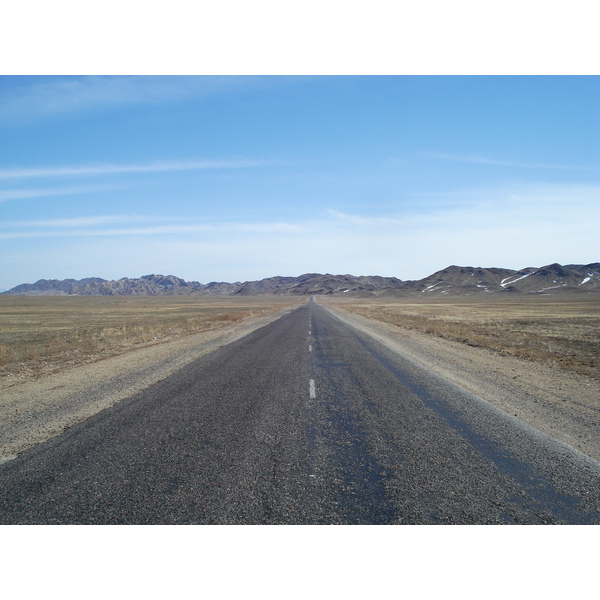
305,421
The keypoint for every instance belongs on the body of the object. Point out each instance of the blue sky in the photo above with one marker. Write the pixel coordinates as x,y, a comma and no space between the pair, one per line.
239,178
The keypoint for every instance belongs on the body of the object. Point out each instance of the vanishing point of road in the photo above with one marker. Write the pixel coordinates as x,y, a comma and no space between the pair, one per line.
304,421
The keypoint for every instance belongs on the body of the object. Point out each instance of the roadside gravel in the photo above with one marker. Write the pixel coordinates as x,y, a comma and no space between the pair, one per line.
33,411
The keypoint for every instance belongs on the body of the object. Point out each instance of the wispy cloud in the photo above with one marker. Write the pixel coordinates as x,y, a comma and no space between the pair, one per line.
82,221
27,99
24,194
482,160
92,227
110,169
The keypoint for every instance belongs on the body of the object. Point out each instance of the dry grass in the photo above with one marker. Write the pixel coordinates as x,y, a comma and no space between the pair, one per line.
40,334
561,332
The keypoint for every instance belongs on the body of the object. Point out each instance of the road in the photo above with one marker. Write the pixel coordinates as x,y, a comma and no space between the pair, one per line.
304,421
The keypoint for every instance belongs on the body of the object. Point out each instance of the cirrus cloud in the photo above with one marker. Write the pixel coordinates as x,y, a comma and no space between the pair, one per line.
110,169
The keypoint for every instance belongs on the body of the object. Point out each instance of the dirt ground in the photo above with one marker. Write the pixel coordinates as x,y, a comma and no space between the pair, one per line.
562,405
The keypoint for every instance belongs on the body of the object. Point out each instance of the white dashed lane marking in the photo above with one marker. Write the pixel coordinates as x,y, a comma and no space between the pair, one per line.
311,384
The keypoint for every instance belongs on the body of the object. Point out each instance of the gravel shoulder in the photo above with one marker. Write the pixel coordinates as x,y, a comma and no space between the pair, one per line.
35,410
566,407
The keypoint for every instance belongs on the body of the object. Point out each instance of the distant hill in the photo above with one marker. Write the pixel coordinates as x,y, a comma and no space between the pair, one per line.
151,285
452,281
551,279
155,285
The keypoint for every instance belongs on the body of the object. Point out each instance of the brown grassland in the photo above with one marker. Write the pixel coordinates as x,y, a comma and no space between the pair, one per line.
560,331
43,334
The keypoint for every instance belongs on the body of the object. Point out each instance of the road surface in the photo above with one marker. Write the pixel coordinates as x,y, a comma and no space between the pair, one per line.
304,421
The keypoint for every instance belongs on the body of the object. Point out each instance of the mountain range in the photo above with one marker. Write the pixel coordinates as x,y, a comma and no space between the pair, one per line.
452,281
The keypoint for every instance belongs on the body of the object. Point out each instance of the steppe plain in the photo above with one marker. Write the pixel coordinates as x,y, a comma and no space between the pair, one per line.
46,334
63,359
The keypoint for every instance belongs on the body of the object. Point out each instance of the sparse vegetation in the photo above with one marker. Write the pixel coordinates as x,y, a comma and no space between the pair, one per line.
563,332
42,334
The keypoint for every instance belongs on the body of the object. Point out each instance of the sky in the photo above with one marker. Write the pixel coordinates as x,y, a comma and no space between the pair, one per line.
237,178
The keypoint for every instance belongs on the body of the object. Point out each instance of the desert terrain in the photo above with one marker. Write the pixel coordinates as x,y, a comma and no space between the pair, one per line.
45,334
65,358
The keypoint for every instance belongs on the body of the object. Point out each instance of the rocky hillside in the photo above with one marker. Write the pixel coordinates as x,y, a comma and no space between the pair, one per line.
452,281
310,283
152,285
466,281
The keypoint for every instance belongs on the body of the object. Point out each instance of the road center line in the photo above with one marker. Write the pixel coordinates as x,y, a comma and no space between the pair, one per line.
313,393
310,347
